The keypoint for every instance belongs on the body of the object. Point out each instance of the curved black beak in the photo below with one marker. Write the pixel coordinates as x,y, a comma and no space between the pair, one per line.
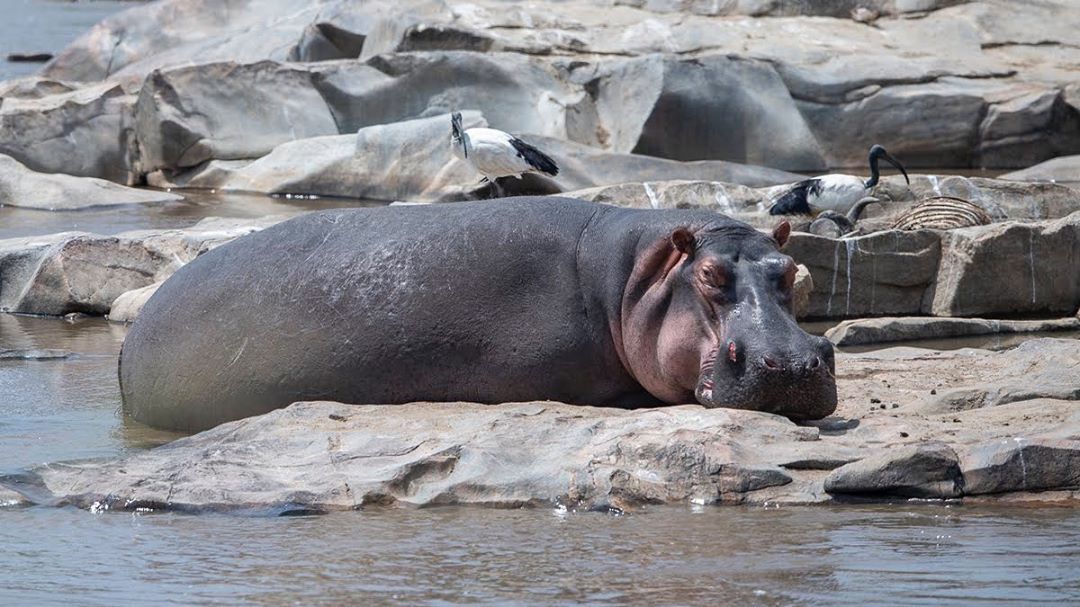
896,163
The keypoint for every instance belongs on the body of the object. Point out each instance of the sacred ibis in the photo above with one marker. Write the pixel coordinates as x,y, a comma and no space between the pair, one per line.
494,153
833,192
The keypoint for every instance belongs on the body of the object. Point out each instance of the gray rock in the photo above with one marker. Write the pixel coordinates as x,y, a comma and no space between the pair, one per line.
128,305
188,115
1065,168
929,471
882,330
75,272
33,87
12,499
1041,261
692,109
880,273
1021,464
155,35
85,132
329,456
411,160
757,8
965,85
20,187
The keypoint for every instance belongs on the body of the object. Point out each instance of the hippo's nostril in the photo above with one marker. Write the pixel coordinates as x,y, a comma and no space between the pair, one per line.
771,363
813,363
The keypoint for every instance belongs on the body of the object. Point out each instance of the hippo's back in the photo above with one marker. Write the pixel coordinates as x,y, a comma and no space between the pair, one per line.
471,301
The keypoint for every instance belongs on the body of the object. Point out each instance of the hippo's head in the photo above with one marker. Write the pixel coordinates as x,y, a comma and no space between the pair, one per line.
707,314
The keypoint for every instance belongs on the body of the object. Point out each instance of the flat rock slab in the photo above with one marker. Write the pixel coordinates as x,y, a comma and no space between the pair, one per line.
884,443
1062,168
888,329
330,456
27,189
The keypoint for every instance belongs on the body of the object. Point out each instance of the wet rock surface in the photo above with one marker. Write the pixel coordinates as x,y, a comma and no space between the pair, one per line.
883,443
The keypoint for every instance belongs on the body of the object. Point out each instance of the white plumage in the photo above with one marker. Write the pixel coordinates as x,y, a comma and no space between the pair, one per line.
835,192
495,154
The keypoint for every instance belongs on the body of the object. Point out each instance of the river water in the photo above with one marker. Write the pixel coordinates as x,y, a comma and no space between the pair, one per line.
46,26
63,409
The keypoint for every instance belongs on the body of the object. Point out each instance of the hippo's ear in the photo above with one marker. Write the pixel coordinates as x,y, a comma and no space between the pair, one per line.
683,240
781,233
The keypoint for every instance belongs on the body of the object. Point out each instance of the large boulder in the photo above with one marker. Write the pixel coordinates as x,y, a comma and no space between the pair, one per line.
710,107
85,132
881,273
126,307
1037,263
22,188
188,115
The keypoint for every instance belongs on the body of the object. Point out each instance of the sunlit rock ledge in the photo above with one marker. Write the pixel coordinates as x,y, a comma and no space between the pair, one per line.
911,424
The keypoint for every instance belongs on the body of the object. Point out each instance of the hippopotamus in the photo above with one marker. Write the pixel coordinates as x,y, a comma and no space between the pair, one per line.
517,299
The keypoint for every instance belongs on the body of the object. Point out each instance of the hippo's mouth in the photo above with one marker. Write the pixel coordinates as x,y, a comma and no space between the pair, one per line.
727,380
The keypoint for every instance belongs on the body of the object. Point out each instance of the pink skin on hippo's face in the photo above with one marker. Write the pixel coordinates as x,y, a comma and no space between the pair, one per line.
707,317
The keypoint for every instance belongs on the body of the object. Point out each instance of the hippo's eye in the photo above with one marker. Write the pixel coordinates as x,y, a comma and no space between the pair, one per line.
712,276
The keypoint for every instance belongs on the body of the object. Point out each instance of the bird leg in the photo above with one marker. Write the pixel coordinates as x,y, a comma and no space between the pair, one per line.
497,189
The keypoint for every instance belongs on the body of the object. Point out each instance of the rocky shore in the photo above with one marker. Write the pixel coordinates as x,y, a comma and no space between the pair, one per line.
967,424
644,103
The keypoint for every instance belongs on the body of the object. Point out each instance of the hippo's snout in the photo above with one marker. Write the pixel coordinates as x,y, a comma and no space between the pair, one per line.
797,381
